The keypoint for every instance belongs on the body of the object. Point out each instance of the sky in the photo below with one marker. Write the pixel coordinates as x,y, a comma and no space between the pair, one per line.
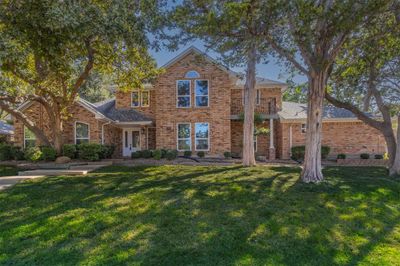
271,70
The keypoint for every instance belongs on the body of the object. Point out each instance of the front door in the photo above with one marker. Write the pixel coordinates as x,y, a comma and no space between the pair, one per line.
131,141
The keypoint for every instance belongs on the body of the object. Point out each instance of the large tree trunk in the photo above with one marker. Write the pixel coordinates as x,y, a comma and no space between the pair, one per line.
312,170
395,168
57,131
249,107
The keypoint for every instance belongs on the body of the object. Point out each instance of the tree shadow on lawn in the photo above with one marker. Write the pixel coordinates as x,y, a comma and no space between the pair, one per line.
180,215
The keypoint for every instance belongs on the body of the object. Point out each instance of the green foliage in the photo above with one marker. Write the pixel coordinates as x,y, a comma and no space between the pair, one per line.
261,131
8,170
257,118
70,150
341,156
187,153
5,152
17,153
171,155
33,154
89,151
227,154
107,151
146,154
364,156
48,153
163,152
378,156
136,155
157,154
298,152
201,154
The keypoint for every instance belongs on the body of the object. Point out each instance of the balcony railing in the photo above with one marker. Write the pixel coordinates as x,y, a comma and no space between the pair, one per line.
266,106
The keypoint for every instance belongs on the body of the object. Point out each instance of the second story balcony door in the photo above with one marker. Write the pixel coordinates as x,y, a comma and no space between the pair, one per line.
131,141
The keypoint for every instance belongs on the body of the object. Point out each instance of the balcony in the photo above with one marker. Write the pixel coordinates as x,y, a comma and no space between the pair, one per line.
266,106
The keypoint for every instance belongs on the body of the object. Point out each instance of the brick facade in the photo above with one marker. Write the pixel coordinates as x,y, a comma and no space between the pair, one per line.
225,104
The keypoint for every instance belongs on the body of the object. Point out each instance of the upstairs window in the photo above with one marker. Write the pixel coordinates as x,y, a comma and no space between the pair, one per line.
192,74
258,97
29,138
183,93
140,98
201,90
201,136
303,128
81,133
183,136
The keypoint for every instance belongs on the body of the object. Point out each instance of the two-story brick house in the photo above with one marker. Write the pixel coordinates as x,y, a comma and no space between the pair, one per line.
196,104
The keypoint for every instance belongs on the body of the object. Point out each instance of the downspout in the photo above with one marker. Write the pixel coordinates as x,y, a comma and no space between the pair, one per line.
290,140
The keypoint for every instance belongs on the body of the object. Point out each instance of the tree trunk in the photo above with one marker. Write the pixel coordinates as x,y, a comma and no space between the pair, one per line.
395,168
249,108
312,170
57,132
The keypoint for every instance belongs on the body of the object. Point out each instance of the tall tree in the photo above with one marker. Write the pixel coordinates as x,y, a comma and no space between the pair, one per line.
234,30
49,48
366,79
309,34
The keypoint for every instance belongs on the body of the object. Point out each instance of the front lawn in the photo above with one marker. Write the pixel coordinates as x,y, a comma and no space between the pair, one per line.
185,215
8,170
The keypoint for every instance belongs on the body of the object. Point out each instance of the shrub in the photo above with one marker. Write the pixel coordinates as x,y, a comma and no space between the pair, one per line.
157,154
163,153
171,154
48,153
17,153
378,156
106,151
341,156
298,152
89,151
325,150
33,154
146,154
136,154
5,152
227,154
385,156
70,150
187,154
364,156
201,154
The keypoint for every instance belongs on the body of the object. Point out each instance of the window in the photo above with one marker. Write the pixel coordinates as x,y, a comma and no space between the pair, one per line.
255,142
184,143
183,93
135,99
201,136
145,98
81,133
303,128
29,138
201,90
258,97
140,98
192,74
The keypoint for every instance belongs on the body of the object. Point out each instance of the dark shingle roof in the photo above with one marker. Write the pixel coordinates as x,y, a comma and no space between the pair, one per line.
107,108
6,129
292,110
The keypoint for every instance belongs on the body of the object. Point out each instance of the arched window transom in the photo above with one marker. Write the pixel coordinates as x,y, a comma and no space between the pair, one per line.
192,74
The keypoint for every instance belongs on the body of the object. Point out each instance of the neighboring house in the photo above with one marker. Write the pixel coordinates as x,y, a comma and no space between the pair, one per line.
6,131
196,104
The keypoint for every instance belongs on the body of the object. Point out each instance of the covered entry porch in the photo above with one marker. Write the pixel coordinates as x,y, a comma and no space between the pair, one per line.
137,137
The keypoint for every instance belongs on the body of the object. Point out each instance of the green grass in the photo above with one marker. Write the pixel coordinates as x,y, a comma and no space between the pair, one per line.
8,170
185,215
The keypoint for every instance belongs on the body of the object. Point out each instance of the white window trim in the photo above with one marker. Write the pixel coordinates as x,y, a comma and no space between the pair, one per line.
258,96
27,139
208,137
88,138
303,130
208,93
141,98
177,95
138,92
177,135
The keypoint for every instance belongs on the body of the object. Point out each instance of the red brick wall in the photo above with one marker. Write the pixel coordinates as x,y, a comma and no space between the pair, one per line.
123,101
217,114
351,138
266,94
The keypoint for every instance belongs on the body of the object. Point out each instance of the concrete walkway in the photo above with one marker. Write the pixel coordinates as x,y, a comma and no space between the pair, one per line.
8,181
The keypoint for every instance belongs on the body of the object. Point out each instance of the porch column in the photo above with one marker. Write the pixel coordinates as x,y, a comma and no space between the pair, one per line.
271,140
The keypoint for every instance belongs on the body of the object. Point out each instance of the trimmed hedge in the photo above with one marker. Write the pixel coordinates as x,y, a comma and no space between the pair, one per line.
157,154
378,156
5,152
70,150
136,154
187,153
146,154
298,152
201,154
17,153
107,151
171,154
364,156
89,151
48,153
33,154
341,156
227,155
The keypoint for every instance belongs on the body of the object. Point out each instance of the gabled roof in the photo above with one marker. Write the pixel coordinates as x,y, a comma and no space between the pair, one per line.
6,129
298,111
